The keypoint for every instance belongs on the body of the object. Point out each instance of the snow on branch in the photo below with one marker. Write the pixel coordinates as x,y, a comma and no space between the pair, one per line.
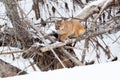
94,7
60,44
43,49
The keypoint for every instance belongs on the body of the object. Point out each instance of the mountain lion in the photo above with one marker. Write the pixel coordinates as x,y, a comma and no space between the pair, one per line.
66,28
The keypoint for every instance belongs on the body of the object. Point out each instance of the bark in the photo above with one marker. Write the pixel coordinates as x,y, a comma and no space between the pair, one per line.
7,70
60,44
36,8
19,25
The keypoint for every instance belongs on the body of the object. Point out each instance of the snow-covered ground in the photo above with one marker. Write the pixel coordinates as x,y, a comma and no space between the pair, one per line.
16,60
105,71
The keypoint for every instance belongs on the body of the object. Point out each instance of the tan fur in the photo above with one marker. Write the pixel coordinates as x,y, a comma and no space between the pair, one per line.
66,28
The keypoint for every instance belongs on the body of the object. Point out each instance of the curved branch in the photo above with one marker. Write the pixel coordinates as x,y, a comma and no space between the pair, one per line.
94,7
60,44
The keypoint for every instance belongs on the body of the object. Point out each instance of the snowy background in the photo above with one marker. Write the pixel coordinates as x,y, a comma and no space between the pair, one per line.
103,71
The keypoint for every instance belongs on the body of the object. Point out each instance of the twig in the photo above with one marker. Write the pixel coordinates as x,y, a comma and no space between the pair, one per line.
84,51
40,36
11,52
68,47
103,7
117,39
106,49
60,44
77,62
31,64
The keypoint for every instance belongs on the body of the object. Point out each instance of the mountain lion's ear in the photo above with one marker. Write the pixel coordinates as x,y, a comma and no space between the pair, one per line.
59,21
62,21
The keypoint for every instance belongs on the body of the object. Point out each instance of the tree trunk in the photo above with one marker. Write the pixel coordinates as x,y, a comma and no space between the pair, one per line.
21,32
7,70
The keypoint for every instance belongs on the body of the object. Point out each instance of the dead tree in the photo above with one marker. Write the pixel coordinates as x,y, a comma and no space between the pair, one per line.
50,56
7,70
19,25
23,35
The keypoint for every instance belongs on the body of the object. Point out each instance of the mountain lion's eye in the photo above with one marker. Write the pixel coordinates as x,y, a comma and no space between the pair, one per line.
57,27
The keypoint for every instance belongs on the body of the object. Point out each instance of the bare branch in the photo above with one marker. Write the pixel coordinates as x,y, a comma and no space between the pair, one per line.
11,52
93,8
60,44
84,51
77,62
41,36
117,39
103,7
7,70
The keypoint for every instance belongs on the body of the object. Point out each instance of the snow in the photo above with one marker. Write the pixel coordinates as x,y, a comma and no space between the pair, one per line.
108,71
17,60
105,71
91,53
